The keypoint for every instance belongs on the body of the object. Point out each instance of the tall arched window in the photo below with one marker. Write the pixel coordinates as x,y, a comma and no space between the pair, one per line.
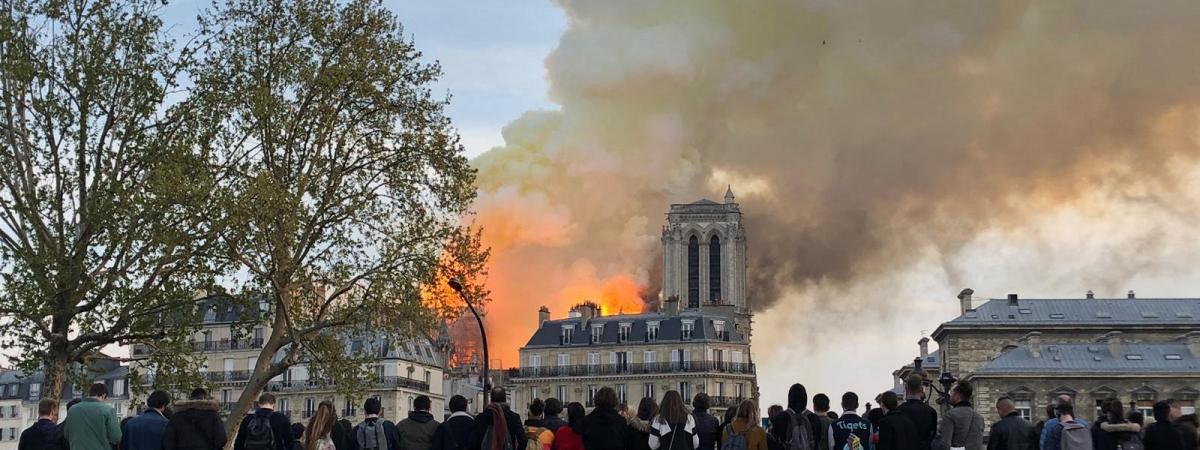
714,269
693,273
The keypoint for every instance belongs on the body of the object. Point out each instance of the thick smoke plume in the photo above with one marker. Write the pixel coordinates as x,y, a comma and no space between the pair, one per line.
860,137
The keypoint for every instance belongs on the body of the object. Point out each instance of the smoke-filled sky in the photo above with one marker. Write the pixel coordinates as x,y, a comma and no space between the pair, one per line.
885,156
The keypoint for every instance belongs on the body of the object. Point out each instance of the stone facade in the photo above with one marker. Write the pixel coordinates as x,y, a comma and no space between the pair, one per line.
1092,349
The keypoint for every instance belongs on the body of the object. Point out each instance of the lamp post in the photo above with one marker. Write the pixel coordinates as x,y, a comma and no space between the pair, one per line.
485,378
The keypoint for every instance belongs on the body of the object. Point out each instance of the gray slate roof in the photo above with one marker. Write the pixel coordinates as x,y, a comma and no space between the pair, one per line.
669,329
1095,358
1081,311
418,350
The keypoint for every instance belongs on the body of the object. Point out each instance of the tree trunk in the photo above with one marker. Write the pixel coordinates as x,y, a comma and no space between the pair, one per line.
263,371
55,373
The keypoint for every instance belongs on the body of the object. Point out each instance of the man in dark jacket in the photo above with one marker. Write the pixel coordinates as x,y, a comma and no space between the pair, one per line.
281,427
195,425
603,428
850,427
923,417
707,426
145,432
416,432
487,418
554,407
1011,432
374,432
455,432
896,432
44,434
798,406
1162,435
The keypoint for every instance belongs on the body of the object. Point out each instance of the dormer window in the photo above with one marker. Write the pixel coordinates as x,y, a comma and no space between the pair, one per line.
597,331
685,332
719,327
623,332
568,332
651,331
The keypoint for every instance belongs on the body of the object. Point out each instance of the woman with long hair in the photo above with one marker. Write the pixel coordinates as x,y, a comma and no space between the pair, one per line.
604,428
673,426
1113,430
570,437
319,434
639,425
745,427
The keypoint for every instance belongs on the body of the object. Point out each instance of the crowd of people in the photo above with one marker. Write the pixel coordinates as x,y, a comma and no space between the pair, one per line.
907,423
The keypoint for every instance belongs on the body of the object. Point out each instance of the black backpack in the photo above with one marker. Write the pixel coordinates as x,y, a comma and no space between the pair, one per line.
259,435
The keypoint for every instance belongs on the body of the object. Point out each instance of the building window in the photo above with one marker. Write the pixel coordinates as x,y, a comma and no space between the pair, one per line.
650,357
427,377
737,358
651,331
562,393
532,393
591,394
535,361
118,388
597,331
623,360
720,389
714,269
685,330
568,332
740,391
719,359
349,410
284,405
1025,409
621,393
309,407
623,332
719,327
564,359
35,391
693,273
648,390
593,359
685,391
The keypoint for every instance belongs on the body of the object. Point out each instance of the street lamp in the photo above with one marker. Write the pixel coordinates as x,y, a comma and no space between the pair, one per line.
484,376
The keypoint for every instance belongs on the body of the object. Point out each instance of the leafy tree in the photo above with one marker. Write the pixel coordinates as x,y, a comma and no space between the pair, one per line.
347,181
104,205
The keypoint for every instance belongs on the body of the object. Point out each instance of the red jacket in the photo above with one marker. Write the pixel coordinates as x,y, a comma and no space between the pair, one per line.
567,439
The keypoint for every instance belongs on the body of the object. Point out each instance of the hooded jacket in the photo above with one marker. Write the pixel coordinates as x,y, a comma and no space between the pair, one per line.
798,403
416,432
195,425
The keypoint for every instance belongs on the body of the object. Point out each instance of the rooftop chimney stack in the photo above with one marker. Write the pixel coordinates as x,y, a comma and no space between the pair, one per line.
1012,300
543,315
1034,341
671,306
924,344
1091,294
1131,295
964,300
1113,338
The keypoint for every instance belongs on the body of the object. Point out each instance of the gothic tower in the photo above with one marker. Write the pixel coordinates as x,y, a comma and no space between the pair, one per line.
704,254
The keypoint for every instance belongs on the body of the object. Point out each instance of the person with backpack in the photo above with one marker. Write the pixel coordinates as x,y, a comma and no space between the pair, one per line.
537,436
569,436
1069,434
497,427
961,426
744,433
1114,432
145,432
920,413
604,428
374,433
1052,421
1011,432
850,431
195,425
416,431
455,432
265,429
1162,434
553,422
707,426
896,432
821,409
803,425
673,428
638,437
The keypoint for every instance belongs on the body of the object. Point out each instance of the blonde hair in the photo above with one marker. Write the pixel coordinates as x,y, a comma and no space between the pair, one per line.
748,410
320,426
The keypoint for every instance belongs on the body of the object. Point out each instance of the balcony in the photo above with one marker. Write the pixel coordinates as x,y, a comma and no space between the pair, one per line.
385,383
633,369
231,376
227,345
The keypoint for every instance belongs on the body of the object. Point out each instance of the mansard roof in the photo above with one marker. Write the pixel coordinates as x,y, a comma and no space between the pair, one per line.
1151,358
1079,312
550,333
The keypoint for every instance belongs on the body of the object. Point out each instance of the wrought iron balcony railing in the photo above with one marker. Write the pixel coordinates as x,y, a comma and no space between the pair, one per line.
633,369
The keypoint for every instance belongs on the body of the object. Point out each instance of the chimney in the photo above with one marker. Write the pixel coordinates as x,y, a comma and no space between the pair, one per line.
587,310
1131,295
1192,339
924,344
1090,294
1034,341
1012,300
671,306
543,315
964,300
1113,339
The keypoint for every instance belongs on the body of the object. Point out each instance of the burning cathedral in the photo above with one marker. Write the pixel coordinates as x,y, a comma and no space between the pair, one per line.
697,341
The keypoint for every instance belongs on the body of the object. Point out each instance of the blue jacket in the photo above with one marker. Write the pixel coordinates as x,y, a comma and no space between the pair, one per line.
1050,427
144,432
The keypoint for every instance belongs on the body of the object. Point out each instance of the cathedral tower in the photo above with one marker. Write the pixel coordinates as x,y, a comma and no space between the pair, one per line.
704,254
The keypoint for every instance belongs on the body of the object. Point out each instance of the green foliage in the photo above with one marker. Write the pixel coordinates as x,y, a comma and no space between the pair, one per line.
104,202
